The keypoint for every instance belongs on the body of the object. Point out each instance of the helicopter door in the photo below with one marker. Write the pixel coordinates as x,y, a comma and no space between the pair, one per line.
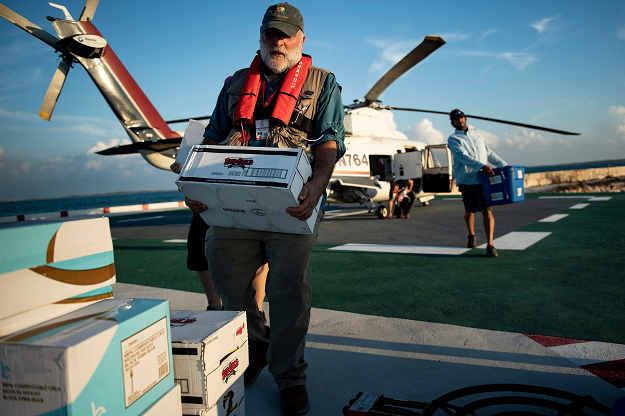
407,165
437,169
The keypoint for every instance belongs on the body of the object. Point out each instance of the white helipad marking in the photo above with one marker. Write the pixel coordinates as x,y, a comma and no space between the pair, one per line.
517,240
332,214
142,219
178,240
591,352
599,198
579,206
563,197
379,248
554,218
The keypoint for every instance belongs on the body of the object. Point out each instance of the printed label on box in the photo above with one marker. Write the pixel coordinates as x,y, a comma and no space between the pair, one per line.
519,173
519,192
497,196
495,179
145,357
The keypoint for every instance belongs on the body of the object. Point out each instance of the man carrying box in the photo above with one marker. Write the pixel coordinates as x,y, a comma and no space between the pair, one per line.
471,155
280,101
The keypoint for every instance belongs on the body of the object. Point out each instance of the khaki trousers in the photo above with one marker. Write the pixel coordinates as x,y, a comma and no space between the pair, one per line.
233,256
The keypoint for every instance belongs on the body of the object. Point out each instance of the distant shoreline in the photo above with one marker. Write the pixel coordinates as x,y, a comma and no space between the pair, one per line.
528,169
89,195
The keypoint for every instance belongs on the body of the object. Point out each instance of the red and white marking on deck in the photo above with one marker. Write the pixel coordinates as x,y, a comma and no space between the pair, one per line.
603,359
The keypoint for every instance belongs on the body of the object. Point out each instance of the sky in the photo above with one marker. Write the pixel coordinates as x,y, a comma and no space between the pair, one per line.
559,64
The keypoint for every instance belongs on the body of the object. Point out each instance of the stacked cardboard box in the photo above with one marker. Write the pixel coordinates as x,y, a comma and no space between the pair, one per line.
210,353
111,356
47,270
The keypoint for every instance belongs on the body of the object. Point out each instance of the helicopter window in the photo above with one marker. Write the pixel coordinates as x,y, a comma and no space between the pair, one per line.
437,158
381,166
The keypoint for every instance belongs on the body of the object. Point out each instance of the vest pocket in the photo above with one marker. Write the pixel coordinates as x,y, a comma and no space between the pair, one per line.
286,137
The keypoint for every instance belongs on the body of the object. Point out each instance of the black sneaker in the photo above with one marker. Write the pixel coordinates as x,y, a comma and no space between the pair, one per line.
491,252
294,401
471,241
215,308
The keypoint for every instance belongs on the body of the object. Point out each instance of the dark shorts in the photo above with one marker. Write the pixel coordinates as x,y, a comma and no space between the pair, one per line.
473,198
196,255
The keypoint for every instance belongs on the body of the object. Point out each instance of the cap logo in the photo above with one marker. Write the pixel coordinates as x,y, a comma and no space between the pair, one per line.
280,9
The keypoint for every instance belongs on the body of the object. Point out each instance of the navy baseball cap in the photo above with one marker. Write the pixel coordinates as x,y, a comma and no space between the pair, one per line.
456,114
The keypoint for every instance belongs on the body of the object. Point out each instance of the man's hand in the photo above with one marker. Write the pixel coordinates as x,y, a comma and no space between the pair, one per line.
176,167
488,171
195,206
325,158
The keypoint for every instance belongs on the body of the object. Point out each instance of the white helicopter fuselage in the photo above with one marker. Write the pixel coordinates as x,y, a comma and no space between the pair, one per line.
376,154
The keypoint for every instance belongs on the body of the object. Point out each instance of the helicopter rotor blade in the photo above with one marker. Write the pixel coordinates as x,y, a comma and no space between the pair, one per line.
494,120
29,27
429,45
89,10
183,120
54,90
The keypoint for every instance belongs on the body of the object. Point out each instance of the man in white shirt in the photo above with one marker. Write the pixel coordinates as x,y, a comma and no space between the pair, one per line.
471,155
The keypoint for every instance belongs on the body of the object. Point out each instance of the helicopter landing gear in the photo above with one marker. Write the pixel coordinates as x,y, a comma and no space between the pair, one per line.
381,212
425,203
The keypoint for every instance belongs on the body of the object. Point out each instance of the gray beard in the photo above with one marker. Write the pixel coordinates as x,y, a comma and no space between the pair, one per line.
278,65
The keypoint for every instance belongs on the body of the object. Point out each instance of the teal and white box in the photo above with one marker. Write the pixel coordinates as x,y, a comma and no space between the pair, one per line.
42,264
112,357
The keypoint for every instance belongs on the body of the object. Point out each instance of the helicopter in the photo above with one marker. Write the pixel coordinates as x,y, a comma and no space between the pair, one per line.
376,153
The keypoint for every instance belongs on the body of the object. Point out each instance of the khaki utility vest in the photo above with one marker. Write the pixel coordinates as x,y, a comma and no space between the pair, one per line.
301,127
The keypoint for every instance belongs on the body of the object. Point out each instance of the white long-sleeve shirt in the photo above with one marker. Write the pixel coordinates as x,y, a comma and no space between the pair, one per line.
470,153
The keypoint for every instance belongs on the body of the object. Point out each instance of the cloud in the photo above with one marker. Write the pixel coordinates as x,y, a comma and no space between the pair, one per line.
519,59
543,25
621,34
486,33
455,36
616,121
105,145
390,119
391,52
18,115
527,139
1,155
93,164
492,140
424,131
25,167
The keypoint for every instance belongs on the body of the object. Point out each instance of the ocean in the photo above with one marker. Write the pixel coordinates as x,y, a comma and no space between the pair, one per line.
36,206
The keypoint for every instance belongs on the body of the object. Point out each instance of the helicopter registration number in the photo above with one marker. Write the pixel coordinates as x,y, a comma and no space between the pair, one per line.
348,159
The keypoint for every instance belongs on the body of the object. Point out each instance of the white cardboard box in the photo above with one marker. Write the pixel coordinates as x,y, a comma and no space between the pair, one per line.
46,263
44,313
111,357
248,187
230,403
210,351
167,405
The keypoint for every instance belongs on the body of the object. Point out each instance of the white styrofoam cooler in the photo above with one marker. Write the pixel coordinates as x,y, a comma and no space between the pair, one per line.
248,187
210,351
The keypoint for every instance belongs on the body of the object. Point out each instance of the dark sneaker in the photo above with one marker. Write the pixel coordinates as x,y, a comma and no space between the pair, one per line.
294,401
258,361
491,252
471,241
215,308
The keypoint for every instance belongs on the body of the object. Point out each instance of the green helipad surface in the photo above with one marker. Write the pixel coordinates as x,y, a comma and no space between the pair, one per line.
569,284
